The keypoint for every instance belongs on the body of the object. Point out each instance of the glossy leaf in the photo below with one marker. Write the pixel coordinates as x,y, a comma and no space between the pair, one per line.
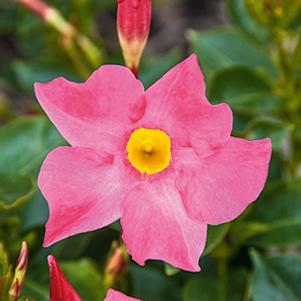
204,288
159,287
85,278
239,86
276,277
243,20
15,190
275,129
24,143
277,215
222,48
215,235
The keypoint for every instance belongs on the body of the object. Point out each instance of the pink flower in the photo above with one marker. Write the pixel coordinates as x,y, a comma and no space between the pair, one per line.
161,160
117,296
61,289
133,24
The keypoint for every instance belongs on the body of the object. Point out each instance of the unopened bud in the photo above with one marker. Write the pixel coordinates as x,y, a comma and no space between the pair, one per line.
50,15
38,7
117,264
19,276
60,288
133,24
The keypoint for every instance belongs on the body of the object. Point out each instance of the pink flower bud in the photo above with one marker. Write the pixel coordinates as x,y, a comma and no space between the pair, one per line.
133,23
39,7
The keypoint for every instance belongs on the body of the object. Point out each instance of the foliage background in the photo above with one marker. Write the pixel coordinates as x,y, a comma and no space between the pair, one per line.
250,52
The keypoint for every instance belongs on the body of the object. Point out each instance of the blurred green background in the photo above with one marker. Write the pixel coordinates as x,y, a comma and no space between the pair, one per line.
250,52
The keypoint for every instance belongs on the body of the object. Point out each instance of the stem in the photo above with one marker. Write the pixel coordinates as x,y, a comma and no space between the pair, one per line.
74,42
222,276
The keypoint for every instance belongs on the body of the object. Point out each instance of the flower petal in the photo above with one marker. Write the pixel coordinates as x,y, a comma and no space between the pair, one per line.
218,188
94,113
60,288
156,226
84,191
113,295
178,105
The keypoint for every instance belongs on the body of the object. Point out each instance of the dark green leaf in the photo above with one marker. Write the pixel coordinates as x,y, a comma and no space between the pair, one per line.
157,67
239,86
276,278
241,17
204,288
24,143
150,284
15,190
35,291
85,278
277,215
277,130
215,235
227,47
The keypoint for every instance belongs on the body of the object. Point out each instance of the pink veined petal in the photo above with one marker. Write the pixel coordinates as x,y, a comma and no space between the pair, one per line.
178,105
84,191
60,288
113,295
218,188
97,112
155,226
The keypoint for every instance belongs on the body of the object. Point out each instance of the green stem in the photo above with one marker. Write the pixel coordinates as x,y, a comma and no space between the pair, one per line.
222,276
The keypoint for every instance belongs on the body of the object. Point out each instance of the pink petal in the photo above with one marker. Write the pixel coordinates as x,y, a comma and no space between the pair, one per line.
178,105
156,226
60,288
97,112
218,188
117,296
84,191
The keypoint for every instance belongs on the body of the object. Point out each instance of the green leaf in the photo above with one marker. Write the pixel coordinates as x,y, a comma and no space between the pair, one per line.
85,278
215,235
35,291
154,68
25,142
223,48
34,213
151,284
15,190
201,289
277,130
276,277
239,86
240,17
204,288
276,216
27,74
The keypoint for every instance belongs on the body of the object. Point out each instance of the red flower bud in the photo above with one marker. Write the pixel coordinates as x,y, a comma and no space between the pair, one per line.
133,23
60,288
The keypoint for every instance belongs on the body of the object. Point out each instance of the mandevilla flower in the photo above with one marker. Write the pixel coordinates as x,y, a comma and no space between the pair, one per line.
161,160
61,289
133,23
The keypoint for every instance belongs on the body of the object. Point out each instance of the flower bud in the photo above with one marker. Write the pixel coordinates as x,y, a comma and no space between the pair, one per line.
60,288
117,264
36,6
19,276
133,24
50,15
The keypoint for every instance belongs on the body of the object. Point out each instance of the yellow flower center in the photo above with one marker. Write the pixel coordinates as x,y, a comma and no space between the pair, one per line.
149,150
